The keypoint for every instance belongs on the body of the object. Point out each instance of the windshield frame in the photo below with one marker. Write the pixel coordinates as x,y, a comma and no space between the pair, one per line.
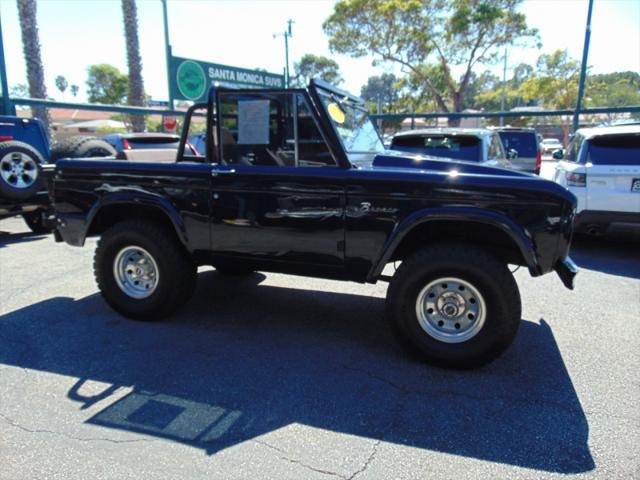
346,101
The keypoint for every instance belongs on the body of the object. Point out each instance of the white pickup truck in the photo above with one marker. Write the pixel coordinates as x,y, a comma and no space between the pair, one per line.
602,169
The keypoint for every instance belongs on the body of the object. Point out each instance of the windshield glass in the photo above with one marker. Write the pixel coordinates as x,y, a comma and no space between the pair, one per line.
351,121
459,147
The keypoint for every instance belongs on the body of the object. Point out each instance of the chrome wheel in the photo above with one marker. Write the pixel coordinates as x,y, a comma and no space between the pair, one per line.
136,272
451,310
18,170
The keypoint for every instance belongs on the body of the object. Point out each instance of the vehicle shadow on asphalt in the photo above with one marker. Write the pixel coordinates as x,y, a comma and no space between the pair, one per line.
7,238
606,255
243,360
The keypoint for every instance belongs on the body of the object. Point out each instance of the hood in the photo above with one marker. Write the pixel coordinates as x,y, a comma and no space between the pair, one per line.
404,166
403,160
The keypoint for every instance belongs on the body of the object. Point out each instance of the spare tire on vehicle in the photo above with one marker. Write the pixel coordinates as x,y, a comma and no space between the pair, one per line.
20,171
81,147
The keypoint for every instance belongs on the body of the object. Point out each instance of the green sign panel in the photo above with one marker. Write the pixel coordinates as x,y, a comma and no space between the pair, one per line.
190,79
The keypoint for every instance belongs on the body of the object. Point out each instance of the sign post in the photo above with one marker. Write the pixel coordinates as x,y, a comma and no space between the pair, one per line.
167,51
190,79
7,107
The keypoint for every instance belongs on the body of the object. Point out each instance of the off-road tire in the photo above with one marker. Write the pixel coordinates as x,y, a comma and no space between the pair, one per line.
177,272
488,275
81,147
30,159
93,147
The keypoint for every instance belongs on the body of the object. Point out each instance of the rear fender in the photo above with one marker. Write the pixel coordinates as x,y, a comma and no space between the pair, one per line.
462,214
77,229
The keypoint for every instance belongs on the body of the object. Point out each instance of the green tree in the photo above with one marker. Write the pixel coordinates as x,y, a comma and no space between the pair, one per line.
486,91
136,95
383,89
554,84
316,66
106,84
521,73
617,89
19,90
61,83
74,89
479,85
27,13
456,34
416,96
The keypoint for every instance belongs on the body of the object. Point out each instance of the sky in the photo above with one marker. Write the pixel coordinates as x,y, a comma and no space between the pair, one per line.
77,33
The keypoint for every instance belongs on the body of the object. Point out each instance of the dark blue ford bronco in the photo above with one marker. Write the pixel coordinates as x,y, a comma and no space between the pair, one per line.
297,181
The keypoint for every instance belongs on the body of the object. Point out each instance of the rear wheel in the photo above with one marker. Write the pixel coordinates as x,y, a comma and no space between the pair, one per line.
143,271
456,305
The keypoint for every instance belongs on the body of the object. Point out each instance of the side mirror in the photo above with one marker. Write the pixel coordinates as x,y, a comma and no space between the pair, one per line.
512,154
557,154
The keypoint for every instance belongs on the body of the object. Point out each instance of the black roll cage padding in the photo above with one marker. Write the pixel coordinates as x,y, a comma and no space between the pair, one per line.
184,136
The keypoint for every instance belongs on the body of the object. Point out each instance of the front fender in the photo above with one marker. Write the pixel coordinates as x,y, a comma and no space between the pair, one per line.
460,214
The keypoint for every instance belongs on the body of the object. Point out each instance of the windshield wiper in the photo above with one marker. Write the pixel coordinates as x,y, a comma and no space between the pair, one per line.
349,102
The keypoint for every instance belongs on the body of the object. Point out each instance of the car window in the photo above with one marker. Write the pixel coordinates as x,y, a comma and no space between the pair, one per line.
198,142
615,150
524,143
573,150
496,150
458,147
271,129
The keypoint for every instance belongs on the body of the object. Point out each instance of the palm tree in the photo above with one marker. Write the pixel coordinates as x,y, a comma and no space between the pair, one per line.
27,12
136,85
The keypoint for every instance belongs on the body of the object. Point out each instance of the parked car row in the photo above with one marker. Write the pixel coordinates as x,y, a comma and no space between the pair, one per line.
506,147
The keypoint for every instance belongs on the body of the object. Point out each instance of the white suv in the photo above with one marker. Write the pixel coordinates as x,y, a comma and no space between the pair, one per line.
602,169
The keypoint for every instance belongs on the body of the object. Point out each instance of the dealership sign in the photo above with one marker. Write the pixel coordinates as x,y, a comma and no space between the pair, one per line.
190,79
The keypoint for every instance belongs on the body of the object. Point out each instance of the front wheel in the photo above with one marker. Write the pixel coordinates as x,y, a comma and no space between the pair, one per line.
457,305
142,270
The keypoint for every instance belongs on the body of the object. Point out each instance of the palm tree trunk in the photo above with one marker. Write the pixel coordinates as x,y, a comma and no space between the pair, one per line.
136,85
27,12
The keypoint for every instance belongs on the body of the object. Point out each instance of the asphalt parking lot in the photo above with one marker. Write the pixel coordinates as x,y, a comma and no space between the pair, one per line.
274,376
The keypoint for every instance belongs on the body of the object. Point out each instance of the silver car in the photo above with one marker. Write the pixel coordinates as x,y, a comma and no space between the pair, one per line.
469,144
524,142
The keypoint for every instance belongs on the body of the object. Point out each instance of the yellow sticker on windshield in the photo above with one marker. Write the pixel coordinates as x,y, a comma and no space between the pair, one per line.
336,113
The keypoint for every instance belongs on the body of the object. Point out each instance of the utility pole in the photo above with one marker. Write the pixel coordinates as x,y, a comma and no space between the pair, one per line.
287,35
583,68
167,51
504,83
7,108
